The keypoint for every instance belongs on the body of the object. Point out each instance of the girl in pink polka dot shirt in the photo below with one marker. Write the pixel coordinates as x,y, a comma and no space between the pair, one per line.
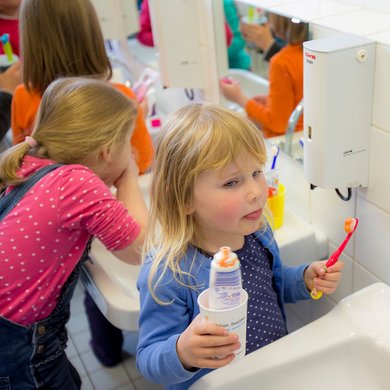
86,126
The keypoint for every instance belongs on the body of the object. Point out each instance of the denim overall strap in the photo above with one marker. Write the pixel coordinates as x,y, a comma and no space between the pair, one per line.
44,341
10,200
49,336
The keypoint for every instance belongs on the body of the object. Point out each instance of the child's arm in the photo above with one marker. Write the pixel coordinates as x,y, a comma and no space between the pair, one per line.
231,90
166,329
299,281
130,194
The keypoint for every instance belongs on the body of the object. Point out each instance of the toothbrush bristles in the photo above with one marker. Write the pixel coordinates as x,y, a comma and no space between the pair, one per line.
350,225
274,150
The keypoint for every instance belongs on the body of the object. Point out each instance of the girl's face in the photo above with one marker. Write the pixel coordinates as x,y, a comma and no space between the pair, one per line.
228,203
117,161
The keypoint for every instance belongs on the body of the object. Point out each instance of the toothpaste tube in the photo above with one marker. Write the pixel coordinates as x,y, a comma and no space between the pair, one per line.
225,280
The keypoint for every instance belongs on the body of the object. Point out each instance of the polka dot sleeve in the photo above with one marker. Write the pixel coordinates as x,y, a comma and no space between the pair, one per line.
85,202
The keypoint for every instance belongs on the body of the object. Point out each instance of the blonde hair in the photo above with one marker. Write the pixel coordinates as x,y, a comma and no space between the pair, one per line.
76,120
195,138
288,30
60,39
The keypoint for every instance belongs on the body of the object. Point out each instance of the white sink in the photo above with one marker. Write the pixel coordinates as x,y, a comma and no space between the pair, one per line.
348,348
112,283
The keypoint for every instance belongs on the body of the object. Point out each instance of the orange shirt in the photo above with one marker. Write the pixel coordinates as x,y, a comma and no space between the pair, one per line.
25,106
285,92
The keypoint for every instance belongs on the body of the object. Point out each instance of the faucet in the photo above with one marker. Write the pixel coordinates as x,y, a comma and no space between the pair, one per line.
292,121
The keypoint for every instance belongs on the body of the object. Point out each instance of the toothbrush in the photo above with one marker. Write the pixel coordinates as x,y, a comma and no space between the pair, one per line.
251,14
273,174
7,47
275,153
350,226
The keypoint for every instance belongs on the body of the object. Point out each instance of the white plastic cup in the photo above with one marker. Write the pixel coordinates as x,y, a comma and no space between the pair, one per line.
233,320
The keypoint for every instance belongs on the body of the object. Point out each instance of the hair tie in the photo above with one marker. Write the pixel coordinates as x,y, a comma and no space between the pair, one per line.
31,141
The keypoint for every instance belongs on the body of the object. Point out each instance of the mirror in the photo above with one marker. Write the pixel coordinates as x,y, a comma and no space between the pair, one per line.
264,35
254,62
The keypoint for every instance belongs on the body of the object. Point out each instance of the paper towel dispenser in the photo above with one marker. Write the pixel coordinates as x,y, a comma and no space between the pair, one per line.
338,94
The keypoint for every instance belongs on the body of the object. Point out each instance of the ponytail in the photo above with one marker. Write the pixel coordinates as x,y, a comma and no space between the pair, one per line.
11,161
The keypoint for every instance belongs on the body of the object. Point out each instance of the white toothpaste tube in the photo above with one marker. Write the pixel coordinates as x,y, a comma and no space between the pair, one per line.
225,280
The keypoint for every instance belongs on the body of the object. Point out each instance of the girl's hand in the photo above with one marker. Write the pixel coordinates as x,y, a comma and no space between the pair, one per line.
259,34
316,276
144,107
11,78
130,172
232,91
205,345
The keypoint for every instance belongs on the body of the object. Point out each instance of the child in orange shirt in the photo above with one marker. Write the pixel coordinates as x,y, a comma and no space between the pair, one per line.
271,112
64,39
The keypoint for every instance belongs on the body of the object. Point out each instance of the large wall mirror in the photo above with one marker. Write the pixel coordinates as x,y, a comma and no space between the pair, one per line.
263,36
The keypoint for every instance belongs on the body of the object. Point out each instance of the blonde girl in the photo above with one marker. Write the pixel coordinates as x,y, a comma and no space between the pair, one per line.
84,125
209,191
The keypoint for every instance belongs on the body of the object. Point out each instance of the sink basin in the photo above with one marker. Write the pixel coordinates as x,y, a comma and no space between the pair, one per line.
112,283
348,348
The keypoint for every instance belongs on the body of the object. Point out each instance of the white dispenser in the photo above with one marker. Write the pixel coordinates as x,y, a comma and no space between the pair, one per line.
338,90
190,39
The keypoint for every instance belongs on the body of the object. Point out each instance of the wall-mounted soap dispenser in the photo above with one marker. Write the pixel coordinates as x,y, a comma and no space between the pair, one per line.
189,36
338,92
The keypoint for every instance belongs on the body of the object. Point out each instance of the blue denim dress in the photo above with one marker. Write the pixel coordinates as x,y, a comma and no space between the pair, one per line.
33,357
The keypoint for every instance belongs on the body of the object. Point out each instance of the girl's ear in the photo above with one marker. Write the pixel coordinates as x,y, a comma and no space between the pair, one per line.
189,208
105,155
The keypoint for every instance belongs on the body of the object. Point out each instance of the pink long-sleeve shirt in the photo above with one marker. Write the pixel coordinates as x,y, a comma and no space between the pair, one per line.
44,236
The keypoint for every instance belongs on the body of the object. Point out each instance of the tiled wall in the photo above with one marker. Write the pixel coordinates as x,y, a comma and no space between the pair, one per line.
367,257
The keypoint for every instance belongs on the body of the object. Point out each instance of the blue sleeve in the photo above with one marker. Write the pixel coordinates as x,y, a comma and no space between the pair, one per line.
294,283
159,328
289,280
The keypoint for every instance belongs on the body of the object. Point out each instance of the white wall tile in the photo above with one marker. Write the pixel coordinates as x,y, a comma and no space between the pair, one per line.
329,212
265,3
362,278
321,307
356,2
378,190
372,239
363,22
381,112
318,32
345,286
297,196
309,10
380,5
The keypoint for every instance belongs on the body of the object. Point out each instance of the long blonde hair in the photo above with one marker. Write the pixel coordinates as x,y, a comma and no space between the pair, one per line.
195,138
60,39
76,120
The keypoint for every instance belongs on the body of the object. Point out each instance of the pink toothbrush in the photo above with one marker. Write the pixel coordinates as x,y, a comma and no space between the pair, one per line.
350,226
